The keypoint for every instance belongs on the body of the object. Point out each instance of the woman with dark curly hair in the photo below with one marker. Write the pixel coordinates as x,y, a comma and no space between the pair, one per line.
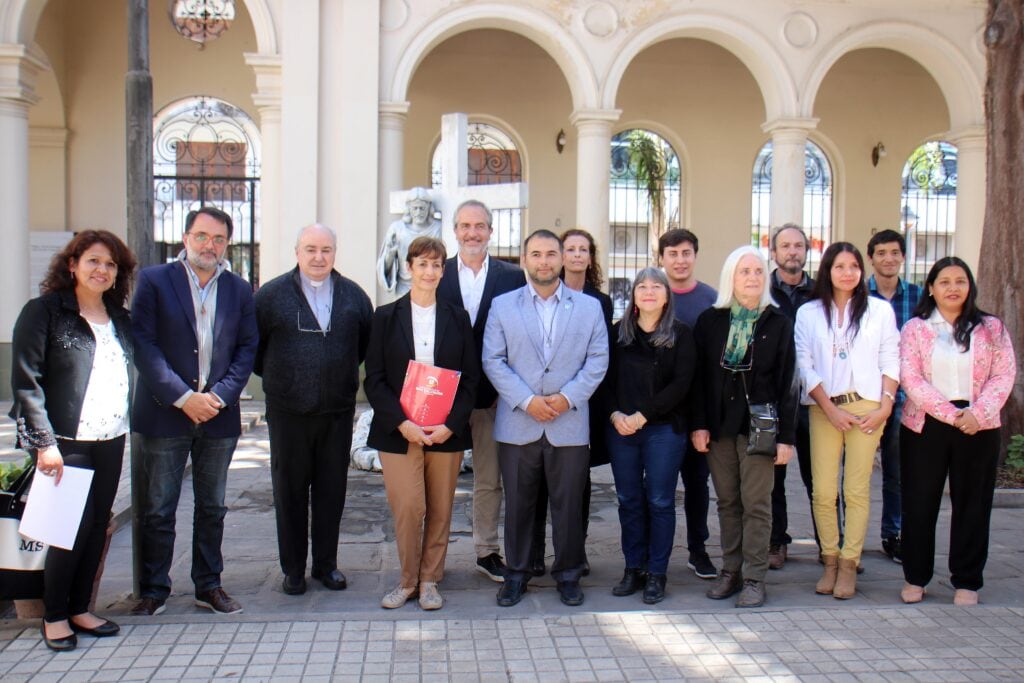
71,386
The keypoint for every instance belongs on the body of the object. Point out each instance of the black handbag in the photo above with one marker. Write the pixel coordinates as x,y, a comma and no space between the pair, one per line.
764,425
21,559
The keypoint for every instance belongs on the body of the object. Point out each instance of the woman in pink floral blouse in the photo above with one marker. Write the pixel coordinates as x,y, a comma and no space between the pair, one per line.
957,368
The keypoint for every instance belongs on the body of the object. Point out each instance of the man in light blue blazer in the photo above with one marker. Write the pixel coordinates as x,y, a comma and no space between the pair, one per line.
545,351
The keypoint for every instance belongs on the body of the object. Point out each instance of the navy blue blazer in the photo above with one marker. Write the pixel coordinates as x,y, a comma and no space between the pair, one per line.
167,351
502,277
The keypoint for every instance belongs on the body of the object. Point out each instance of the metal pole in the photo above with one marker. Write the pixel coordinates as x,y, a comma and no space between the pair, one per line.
139,165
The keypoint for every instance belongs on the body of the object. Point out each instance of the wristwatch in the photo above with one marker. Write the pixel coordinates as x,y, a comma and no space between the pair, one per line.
890,395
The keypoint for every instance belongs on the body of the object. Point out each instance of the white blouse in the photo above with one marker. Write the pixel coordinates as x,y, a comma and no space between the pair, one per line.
952,367
105,406
873,352
423,330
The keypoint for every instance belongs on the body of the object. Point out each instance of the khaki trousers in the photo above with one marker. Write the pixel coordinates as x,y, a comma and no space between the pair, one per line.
827,446
486,482
421,487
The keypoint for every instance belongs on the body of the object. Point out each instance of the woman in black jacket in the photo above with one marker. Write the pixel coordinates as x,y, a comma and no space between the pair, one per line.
745,355
644,394
70,380
421,463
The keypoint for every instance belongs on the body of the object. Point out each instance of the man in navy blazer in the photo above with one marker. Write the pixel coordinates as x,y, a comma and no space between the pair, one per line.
194,325
472,279
546,352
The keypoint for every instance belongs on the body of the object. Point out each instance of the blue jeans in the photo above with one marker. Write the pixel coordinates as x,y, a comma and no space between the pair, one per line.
164,459
891,513
645,466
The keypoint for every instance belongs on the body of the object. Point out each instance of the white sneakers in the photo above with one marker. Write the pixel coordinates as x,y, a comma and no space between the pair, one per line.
430,598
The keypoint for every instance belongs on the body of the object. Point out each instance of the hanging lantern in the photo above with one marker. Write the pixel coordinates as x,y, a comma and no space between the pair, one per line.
202,20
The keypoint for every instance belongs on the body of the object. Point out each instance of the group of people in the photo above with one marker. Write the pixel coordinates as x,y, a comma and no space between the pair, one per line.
691,383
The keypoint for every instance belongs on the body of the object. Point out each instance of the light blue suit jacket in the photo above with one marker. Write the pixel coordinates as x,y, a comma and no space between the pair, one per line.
513,358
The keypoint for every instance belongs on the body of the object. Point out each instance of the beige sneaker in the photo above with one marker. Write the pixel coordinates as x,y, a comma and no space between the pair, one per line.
429,597
396,598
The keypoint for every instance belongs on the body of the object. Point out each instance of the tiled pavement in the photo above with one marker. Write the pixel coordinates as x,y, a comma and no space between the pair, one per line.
347,636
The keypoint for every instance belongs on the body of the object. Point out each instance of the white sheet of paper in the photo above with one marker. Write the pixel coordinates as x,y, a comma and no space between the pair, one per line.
54,513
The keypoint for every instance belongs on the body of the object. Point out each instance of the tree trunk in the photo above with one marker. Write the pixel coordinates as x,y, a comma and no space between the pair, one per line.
1001,268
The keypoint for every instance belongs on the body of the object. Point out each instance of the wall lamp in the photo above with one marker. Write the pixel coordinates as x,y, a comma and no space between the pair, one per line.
560,140
877,152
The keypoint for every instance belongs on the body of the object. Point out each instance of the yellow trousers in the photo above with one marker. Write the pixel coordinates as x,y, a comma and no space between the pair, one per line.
827,446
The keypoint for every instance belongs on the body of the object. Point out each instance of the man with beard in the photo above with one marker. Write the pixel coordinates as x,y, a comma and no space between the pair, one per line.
194,328
791,287
545,352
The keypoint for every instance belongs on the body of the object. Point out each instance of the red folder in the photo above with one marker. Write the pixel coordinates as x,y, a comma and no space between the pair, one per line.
428,393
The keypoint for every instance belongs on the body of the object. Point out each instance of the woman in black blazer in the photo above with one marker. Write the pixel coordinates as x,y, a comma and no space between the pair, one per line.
421,464
71,382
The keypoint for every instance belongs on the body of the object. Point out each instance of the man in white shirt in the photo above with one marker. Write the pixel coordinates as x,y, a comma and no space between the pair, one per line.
472,279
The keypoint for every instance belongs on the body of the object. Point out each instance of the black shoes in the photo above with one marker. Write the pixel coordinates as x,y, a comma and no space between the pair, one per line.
218,601
58,644
293,585
701,565
104,630
492,567
333,580
148,607
511,592
728,584
752,595
571,593
632,581
893,547
654,590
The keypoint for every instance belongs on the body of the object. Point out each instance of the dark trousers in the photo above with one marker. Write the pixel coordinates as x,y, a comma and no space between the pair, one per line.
164,459
540,523
68,575
970,462
564,470
780,511
890,447
309,456
696,498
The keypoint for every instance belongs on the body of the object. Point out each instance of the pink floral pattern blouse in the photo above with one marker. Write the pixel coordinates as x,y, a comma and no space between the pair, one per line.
993,373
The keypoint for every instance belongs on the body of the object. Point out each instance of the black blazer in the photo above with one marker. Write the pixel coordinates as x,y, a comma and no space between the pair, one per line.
502,277
770,378
53,350
389,353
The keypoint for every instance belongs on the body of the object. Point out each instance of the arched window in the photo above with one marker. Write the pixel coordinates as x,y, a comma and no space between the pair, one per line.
817,218
206,153
928,207
493,158
644,197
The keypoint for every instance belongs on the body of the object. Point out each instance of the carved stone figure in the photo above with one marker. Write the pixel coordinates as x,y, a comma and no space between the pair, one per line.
417,221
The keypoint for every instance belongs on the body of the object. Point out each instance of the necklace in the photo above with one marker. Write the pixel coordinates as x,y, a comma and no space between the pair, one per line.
840,346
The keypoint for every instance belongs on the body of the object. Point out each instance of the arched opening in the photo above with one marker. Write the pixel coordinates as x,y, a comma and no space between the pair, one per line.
817,211
492,158
206,152
644,198
928,207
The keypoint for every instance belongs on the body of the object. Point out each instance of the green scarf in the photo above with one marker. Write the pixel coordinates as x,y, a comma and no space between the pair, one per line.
741,329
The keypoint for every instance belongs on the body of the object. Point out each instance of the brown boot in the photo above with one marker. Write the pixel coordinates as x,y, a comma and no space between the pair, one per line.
827,581
846,581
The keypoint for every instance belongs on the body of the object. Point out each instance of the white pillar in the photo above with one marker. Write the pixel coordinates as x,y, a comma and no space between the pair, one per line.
971,180
390,159
18,70
789,140
300,108
593,169
267,99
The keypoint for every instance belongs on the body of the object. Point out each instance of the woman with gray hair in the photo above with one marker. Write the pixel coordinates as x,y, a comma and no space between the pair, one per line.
745,356
644,394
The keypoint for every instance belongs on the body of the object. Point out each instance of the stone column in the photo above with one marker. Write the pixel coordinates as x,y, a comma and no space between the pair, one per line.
391,159
19,66
971,172
789,139
267,99
593,169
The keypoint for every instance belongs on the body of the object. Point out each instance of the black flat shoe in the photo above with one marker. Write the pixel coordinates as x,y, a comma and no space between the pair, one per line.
511,592
104,630
58,644
632,581
570,593
293,585
333,580
654,590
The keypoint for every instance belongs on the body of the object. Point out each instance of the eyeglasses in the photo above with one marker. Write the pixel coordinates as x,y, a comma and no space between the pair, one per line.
739,367
203,238
310,325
